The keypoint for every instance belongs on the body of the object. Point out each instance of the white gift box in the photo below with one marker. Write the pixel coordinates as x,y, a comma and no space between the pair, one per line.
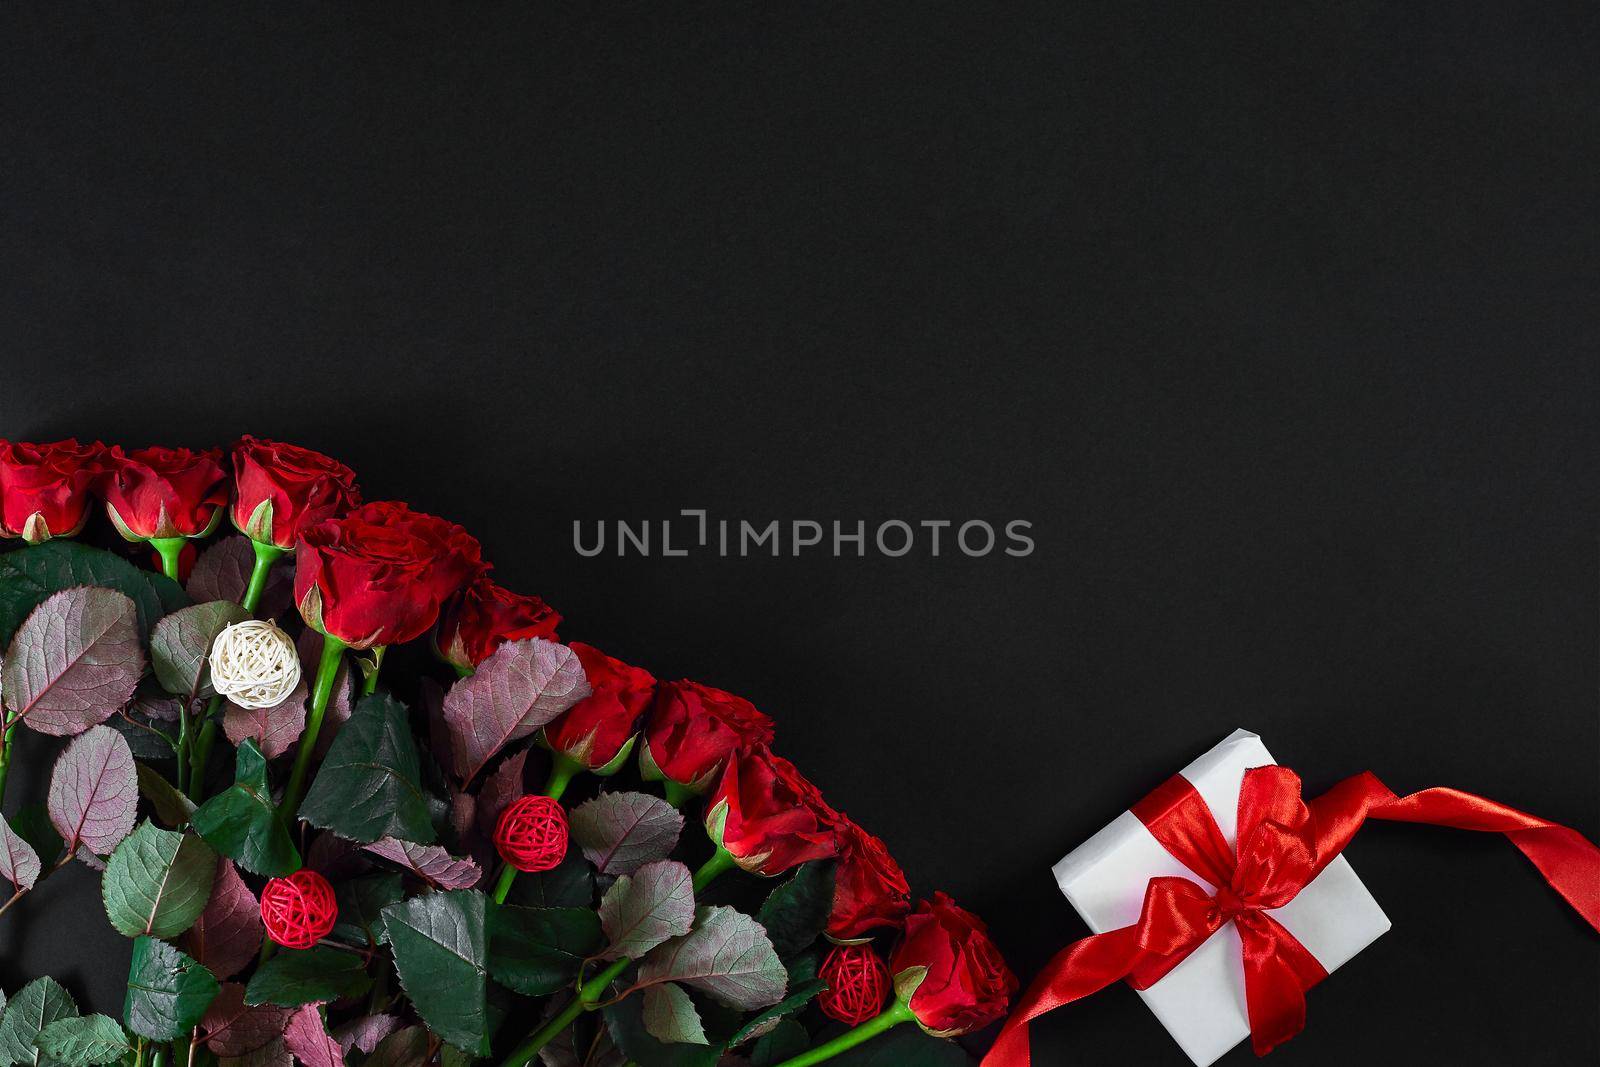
1201,1001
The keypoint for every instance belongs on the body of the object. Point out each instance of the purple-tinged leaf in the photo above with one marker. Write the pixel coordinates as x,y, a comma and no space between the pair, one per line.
180,645
335,858
499,789
363,1034
94,791
342,701
403,1048
308,1039
431,863
233,1028
273,1054
727,956
274,729
644,909
228,933
156,707
518,689
223,573
19,863
74,661
621,832
669,1016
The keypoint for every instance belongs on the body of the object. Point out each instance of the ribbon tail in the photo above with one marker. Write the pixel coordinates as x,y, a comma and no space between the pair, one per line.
1278,971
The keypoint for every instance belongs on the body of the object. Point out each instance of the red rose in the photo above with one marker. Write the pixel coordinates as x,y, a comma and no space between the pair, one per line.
279,490
484,616
165,492
869,889
693,728
967,985
44,489
768,816
379,575
596,731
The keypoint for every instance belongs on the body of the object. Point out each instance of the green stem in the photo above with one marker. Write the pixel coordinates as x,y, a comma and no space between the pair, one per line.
720,862
899,1012
266,556
183,747
370,686
169,548
562,770
677,795
6,739
327,671
158,1058
508,874
588,996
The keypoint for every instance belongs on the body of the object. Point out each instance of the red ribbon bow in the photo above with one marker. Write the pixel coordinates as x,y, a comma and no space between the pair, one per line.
1283,844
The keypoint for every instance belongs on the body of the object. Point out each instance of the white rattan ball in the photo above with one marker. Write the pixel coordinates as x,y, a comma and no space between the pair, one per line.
254,664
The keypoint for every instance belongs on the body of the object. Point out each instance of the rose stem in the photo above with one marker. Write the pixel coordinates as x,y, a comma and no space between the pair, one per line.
7,736
720,862
562,770
327,671
170,549
370,686
677,795
266,556
588,996
899,1012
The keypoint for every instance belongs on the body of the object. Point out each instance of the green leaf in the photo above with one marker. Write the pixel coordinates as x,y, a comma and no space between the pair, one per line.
29,575
441,952
644,909
625,1022
292,978
86,1041
369,785
36,1005
727,956
904,1046
361,902
795,913
570,885
32,824
181,643
669,1016
800,994
158,882
787,1040
74,661
168,992
171,806
407,1047
241,822
536,951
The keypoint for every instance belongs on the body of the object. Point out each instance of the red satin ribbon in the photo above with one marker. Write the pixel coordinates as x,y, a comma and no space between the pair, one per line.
1283,843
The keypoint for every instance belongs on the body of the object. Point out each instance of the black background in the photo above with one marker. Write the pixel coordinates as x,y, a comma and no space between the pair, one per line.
1280,326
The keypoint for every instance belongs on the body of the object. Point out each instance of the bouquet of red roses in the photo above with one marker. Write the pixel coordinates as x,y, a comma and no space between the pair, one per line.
393,883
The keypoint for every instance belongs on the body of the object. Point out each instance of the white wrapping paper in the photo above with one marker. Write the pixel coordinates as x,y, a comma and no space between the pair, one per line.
1201,1001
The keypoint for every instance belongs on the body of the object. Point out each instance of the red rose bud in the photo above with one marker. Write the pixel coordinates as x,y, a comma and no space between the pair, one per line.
767,816
960,981
379,575
164,492
484,616
279,490
596,732
532,834
870,891
858,984
298,911
693,728
45,489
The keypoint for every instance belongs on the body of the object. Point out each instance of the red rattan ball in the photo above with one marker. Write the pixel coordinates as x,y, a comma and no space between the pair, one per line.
532,833
298,910
858,984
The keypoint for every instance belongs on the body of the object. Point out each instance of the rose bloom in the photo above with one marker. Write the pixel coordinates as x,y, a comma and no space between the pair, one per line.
768,816
692,730
968,985
164,492
870,891
45,489
379,575
280,489
596,731
484,616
